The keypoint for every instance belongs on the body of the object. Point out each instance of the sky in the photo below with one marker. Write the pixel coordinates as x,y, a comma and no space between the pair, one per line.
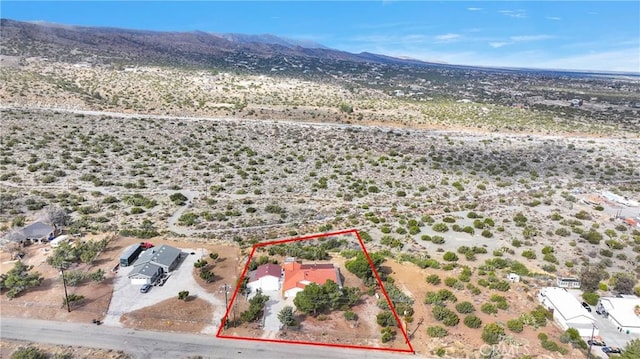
577,35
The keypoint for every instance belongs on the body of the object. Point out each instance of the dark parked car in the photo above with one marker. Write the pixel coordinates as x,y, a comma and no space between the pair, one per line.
586,306
611,350
145,288
596,342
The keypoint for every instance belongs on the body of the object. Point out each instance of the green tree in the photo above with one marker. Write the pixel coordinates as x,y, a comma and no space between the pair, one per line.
624,285
387,334
312,299
286,316
256,307
632,350
590,278
183,295
178,198
386,319
360,265
18,279
74,277
98,275
590,297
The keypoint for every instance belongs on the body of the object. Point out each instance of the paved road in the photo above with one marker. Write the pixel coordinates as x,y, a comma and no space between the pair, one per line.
148,344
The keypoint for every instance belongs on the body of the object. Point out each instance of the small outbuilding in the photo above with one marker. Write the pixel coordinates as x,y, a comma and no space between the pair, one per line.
567,282
58,240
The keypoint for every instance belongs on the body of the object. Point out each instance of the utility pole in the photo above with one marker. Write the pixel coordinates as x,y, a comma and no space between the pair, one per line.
64,283
591,341
226,304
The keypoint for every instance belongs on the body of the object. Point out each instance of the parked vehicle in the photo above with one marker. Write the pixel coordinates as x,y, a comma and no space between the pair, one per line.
611,350
145,288
586,306
597,342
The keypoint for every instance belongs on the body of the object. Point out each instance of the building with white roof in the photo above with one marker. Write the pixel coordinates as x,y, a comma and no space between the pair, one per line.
568,312
623,312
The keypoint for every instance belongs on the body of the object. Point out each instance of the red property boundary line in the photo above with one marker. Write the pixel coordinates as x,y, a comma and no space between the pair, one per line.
304,238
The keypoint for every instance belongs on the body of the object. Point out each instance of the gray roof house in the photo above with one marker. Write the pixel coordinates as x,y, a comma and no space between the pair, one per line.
145,273
166,257
153,262
35,231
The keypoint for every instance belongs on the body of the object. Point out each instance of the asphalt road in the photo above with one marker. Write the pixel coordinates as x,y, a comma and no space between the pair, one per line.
148,344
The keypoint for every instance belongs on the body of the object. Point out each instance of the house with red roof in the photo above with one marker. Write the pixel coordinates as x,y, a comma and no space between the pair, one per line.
266,277
298,275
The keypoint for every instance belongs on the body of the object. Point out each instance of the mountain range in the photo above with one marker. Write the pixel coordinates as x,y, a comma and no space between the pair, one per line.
75,43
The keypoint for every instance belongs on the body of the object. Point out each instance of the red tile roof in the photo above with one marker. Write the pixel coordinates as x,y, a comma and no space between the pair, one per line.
295,274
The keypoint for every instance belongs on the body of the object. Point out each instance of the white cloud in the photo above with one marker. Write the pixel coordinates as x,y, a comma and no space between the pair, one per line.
474,8
498,44
554,18
517,14
520,38
613,60
447,37
527,38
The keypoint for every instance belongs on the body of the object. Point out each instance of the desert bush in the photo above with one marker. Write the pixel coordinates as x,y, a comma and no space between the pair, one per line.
29,353
437,331
433,279
465,307
472,321
492,333
488,308
515,325
450,257
440,227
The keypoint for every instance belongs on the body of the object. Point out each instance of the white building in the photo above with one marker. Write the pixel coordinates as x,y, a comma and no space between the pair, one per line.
623,312
564,282
567,310
266,278
59,240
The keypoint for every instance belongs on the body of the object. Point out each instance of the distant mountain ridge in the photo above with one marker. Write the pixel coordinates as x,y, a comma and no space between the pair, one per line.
269,39
196,47
257,53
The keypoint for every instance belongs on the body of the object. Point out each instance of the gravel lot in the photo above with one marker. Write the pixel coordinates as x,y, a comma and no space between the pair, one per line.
127,297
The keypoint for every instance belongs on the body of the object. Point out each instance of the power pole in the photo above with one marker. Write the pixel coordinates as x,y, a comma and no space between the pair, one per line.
64,283
226,304
591,341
